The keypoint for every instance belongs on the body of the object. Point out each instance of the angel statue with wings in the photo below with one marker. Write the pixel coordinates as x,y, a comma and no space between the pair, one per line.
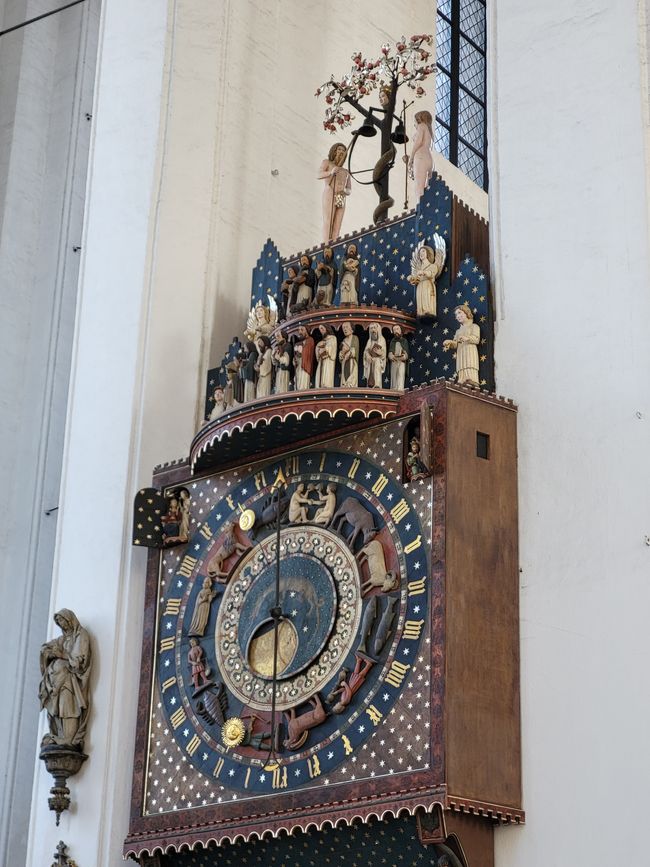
261,320
426,266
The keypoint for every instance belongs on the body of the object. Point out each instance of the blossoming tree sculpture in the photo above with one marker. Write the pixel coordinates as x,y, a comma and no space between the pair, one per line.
405,63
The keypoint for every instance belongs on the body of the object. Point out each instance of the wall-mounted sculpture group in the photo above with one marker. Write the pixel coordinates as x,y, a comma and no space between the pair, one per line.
284,350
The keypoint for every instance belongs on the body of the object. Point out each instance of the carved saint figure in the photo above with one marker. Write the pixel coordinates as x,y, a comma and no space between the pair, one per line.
326,356
249,372
298,505
349,357
201,613
420,162
337,187
465,341
219,407
372,554
303,359
350,277
350,683
64,689
426,265
262,319
374,356
327,507
281,358
264,367
305,283
235,385
398,355
415,466
327,277
199,670
287,290
175,521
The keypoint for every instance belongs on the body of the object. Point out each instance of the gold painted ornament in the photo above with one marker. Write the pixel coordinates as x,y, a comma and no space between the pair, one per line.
233,732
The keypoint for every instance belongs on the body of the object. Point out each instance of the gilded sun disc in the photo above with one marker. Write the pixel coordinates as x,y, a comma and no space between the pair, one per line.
233,732
247,520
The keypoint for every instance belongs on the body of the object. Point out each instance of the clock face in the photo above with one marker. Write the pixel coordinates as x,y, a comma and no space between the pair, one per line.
347,569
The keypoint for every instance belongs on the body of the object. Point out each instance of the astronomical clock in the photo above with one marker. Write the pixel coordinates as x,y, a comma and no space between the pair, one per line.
330,652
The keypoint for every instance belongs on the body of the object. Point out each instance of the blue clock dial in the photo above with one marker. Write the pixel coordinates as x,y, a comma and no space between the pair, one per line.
353,594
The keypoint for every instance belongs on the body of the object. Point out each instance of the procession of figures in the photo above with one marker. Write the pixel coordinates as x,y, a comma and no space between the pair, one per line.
278,355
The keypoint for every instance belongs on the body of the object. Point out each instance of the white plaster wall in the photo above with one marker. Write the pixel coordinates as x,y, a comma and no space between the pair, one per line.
46,79
572,268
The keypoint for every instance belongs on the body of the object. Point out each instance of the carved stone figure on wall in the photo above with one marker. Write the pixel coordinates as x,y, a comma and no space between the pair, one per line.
420,161
398,355
349,357
262,319
374,357
426,265
305,283
281,358
327,277
249,372
264,367
201,613
465,342
337,187
350,277
199,669
415,466
326,356
303,359
64,689
287,288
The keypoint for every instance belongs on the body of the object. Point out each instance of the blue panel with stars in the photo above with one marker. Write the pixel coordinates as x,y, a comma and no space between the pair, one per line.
309,598
385,253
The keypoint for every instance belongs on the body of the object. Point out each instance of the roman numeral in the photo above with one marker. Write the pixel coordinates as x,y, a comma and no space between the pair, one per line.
397,673
314,767
177,719
206,532
248,776
347,745
374,714
379,485
167,644
323,458
173,607
415,588
293,467
399,511
187,565
168,683
279,778
218,768
413,629
260,480
356,463
230,502
413,546
193,745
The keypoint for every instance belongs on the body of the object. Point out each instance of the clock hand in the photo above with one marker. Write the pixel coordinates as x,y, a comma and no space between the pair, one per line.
276,614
